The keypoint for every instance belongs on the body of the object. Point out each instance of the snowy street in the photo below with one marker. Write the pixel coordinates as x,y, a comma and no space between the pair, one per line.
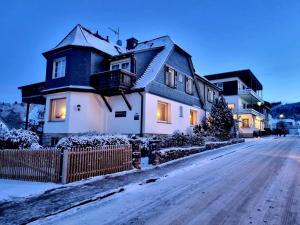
256,182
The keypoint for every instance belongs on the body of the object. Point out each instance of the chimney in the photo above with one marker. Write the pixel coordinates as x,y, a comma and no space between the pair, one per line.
131,43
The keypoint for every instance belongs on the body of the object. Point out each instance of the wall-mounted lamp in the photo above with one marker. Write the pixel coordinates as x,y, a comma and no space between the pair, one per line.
78,107
259,103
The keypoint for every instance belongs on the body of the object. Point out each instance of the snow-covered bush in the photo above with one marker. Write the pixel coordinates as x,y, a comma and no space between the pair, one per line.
91,140
19,139
196,139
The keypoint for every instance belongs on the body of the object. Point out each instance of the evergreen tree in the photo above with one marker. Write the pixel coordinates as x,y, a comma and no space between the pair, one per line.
221,119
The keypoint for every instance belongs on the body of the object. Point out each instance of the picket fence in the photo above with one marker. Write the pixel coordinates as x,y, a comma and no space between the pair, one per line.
31,165
54,165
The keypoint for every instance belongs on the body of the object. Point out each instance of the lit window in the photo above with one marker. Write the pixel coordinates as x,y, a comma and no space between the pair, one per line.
180,111
162,114
58,109
189,85
231,106
59,68
170,77
193,117
123,64
245,123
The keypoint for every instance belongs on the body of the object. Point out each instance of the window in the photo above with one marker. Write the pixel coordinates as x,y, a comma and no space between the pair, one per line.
123,64
180,77
193,117
189,85
59,68
180,111
58,109
219,85
210,95
162,114
170,78
231,106
245,123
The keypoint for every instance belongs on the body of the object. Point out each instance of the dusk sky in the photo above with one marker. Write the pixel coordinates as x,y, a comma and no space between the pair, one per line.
263,36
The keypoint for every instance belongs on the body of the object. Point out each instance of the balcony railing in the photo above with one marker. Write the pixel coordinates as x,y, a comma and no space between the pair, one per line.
33,93
249,91
252,110
112,82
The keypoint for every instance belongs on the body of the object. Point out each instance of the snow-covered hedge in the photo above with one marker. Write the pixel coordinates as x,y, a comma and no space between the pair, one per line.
179,139
19,139
91,140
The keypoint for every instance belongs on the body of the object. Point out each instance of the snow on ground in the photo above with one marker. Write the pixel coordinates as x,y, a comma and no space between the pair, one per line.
12,189
225,190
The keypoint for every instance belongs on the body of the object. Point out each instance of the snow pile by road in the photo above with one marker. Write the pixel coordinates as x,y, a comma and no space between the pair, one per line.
12,189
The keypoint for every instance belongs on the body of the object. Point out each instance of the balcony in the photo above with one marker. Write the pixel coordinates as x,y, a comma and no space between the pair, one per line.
250,95
253,110
113,82
33,93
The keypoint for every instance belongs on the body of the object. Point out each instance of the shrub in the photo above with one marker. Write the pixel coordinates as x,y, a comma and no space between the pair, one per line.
196,139
19,139
92,140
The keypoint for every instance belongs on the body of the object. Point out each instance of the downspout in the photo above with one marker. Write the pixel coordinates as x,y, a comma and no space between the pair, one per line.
142,114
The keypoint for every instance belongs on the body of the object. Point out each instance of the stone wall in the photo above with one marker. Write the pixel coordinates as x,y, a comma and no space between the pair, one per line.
165,155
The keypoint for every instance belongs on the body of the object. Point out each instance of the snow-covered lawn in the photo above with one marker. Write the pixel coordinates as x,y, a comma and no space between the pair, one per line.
13,189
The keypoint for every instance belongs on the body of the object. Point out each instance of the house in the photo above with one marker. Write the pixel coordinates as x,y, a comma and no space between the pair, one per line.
144,88
243,93
291,125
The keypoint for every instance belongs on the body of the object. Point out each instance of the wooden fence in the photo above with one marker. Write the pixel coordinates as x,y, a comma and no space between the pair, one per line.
53,165
32,165
82,163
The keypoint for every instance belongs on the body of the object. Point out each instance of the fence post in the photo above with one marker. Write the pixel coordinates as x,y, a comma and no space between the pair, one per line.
154,147
136,153
65,166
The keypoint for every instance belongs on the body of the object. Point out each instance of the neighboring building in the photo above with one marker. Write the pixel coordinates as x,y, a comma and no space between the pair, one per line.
243,93
291,125
94,85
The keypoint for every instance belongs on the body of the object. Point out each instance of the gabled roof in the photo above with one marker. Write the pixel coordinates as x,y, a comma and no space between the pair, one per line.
245,75
207,82
83,37
158,61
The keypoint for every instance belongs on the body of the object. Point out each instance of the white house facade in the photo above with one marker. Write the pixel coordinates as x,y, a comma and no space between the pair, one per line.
243,93
144,88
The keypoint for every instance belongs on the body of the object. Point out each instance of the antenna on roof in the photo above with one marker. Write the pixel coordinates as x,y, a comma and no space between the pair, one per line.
117,33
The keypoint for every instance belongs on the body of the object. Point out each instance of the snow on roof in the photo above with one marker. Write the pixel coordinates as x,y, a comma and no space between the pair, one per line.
81,36
158,61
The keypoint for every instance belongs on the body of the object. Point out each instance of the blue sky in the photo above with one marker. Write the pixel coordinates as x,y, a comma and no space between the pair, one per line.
263,35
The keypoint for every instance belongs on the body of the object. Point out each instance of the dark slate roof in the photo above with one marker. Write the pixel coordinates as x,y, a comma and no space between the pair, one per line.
80,36
245,75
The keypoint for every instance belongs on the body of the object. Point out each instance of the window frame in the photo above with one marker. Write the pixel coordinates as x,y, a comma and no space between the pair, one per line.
210,97
231,104
192,114
51,110
248,122
120,63
167,111
54,67
181,111
187,80
170,78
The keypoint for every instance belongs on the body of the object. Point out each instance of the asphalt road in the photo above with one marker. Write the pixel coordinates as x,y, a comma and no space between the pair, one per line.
254,183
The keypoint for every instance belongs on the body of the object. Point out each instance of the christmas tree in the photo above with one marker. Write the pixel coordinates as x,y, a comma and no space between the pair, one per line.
221,119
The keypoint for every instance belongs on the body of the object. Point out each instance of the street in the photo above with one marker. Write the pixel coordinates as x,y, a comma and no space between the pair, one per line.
257,182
